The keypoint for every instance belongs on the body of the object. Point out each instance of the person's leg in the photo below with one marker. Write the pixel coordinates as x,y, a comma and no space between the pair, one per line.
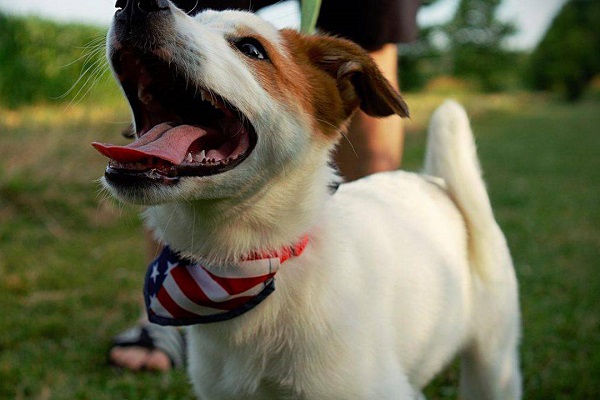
137,358
375,143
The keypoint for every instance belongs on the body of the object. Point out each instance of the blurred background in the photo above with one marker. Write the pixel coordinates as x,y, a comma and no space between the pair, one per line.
72,260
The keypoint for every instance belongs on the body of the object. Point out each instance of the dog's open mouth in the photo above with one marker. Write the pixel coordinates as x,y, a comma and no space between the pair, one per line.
182,129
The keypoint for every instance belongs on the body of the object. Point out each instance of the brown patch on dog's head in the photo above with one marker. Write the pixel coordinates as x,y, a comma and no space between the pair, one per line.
334,77
326,77
290,77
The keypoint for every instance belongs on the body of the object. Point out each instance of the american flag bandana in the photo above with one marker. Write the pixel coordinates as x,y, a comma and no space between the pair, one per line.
179,291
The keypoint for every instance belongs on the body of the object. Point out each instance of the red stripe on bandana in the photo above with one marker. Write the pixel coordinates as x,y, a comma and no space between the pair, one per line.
173,308
239,285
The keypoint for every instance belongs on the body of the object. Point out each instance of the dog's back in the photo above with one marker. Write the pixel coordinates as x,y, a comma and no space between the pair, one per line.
428,251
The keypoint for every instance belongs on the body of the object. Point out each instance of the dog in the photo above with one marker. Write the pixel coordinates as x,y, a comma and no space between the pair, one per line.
293,285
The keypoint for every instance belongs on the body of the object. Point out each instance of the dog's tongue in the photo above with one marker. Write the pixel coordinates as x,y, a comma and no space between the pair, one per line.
163,141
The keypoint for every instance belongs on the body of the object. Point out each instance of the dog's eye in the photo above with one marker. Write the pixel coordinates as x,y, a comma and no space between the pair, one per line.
251,48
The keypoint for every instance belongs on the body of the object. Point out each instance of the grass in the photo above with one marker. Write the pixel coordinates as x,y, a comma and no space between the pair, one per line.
47,62
71,261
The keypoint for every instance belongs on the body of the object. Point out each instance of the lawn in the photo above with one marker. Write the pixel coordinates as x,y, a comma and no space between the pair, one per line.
71,260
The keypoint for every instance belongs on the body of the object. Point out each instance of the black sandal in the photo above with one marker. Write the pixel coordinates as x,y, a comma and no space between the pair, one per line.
167,339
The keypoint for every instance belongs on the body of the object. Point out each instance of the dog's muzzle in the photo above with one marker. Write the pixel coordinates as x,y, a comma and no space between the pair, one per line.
139,22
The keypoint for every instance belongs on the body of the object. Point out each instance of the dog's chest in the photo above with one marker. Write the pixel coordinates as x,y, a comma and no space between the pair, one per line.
274,352
261,368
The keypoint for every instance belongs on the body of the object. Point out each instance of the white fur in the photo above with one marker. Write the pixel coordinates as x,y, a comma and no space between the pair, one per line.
401,274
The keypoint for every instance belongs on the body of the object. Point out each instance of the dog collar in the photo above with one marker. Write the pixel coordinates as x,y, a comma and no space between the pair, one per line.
179,291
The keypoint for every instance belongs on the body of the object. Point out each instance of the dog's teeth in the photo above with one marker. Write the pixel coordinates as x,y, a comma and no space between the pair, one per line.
207,96
214,103
202,155
189,158
144,96
146,99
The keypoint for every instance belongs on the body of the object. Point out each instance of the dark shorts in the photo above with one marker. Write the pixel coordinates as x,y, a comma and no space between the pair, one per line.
370,23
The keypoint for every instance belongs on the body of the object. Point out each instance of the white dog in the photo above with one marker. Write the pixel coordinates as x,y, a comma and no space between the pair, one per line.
294,290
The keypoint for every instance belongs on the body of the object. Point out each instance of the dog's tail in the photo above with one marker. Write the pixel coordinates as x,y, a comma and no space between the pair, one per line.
452,156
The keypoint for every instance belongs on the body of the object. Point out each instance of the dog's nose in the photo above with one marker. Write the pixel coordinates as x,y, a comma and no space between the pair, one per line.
140,9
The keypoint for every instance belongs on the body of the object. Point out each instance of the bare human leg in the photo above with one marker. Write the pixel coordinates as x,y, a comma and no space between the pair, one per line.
373,144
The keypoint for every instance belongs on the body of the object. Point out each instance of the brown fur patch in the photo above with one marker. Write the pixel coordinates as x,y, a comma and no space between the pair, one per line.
292,79
324,77
340,77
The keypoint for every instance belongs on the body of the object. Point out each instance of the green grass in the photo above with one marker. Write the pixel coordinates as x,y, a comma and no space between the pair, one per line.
71,261
45,62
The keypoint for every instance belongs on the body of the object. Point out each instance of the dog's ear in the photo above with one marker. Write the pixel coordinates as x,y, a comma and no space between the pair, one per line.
359,80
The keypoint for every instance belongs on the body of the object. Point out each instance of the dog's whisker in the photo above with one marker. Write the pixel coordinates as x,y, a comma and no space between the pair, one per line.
96,42
86,57
92,67
345,136
94,77
193,8
99,74
85,70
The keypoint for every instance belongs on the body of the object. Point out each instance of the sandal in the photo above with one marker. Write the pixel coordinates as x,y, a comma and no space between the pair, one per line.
167,339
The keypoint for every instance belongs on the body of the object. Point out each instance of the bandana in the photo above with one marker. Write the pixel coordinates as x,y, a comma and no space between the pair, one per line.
179,291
